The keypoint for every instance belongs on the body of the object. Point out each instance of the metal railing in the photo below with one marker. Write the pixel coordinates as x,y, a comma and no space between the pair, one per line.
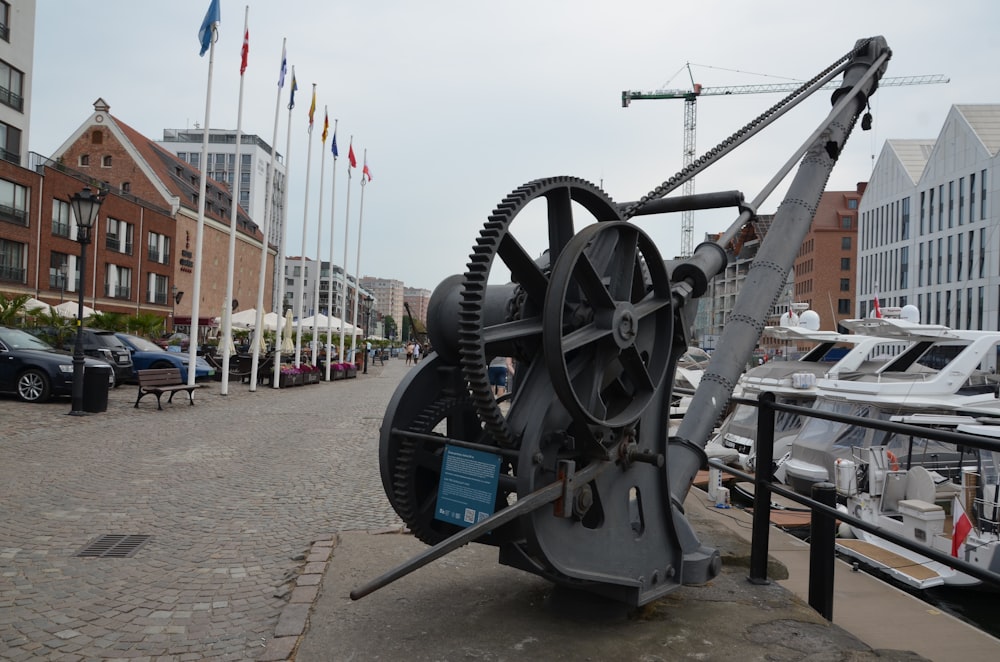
822,504
117,291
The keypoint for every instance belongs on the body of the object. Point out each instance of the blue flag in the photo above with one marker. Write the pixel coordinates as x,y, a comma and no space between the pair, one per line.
333,147
212,16
284,67
295,86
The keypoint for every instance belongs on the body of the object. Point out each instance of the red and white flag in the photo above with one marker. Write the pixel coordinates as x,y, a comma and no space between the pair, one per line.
245,52
961,526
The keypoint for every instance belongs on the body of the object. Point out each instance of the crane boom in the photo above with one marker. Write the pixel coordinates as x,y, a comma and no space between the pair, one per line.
690,98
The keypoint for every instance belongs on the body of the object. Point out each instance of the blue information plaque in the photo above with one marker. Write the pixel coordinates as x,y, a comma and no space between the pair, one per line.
468,487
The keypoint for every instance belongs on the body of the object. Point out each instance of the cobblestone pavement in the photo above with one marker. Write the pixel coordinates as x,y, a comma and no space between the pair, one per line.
232,490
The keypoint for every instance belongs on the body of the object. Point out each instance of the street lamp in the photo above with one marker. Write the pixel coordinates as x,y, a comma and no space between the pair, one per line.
173,307
85,205
63,270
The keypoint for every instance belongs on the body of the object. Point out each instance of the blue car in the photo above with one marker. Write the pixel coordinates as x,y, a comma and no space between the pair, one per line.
147,354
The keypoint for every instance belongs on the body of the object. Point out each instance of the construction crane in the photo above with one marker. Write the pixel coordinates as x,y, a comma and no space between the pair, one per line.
690,98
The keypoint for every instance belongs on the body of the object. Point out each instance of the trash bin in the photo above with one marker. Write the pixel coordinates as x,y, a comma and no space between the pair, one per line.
96,382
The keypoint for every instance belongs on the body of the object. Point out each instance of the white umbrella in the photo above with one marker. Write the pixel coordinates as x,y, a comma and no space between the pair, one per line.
69,309
287,345
271,321
36,306
245,319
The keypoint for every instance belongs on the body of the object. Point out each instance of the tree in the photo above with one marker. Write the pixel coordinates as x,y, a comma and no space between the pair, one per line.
389,325
12,307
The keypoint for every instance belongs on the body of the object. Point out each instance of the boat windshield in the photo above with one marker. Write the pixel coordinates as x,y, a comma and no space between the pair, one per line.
820,434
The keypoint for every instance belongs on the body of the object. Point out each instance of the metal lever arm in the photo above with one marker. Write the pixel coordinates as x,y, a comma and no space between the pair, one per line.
551,492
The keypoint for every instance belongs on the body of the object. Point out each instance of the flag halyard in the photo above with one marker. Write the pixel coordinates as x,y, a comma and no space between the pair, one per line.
212,16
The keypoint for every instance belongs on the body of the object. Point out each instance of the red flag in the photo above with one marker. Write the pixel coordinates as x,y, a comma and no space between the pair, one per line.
350,156
366,172
961,526
878,310
246,51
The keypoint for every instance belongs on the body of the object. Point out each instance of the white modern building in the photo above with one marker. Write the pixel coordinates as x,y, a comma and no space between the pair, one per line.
255,156
17,51
315,274
928,224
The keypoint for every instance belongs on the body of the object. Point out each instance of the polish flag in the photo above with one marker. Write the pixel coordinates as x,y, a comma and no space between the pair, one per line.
878,309
961,526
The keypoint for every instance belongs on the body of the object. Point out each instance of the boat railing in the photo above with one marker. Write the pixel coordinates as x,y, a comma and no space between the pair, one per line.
823,501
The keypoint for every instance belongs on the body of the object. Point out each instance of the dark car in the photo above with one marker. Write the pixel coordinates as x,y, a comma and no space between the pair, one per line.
146,354
98,343
33,369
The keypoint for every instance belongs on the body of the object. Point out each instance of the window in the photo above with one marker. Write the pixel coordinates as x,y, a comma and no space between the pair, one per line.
852,204
12,260
845,264
951,203
159,248
58,271
845,222
84,160
10,143
126,187
13,203
97,137
961,200
845,243
5,21
845,284
60,218
119,236
118,282
11,87
157,287
843,306
982,195
106,161
972,197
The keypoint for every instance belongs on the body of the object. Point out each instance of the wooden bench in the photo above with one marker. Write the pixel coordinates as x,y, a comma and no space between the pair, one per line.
158,381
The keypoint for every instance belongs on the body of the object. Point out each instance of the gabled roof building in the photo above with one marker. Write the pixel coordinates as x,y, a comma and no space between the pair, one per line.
928,224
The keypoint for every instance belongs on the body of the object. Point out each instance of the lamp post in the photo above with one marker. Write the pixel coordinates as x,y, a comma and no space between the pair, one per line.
63,270
173,307
85,204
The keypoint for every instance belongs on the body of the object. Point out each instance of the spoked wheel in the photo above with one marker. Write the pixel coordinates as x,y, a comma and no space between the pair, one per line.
429,407
564,196
607,324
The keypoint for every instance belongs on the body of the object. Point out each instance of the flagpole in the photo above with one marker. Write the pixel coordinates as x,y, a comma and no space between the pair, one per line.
333,226
199,234
279,288
305,229
258,329
347,233
319,239
357,262
227,309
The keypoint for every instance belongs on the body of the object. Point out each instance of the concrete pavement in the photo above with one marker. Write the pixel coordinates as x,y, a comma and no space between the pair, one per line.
265,509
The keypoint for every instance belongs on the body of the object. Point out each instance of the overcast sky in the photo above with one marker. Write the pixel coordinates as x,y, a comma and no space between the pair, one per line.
459,102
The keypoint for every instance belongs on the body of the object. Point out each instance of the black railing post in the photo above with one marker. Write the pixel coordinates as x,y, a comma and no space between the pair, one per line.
822,544
762,489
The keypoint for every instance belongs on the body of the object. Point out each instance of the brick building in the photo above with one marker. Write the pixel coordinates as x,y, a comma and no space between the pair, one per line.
107,151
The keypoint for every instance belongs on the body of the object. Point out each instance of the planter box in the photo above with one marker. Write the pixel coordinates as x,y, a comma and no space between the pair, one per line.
337,374
351,373
310,378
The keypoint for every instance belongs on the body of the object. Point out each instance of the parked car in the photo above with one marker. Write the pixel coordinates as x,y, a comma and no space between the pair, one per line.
146,354
98,343
177,340
36,371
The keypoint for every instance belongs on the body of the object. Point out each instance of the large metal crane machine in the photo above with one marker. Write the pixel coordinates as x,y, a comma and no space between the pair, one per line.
690,98
576,478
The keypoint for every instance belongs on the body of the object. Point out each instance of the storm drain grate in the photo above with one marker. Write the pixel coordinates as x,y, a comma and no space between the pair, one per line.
114,546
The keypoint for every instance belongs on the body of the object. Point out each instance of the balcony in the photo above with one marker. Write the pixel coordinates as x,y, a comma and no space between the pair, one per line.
113,243
14,215
117,291
156,297
8,98
60,229
154,254
13,274
7,155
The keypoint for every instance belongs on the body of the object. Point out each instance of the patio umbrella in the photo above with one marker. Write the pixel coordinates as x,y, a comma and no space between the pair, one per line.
69,309
245,319
37,307
287,345
271,321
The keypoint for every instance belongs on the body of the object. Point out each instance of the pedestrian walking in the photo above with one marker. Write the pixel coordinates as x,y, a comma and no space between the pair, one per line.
416,353
409,352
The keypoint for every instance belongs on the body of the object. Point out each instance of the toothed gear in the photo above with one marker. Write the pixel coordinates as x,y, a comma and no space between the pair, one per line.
495,239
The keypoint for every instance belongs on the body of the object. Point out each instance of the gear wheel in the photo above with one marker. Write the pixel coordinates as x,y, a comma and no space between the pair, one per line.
495,240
